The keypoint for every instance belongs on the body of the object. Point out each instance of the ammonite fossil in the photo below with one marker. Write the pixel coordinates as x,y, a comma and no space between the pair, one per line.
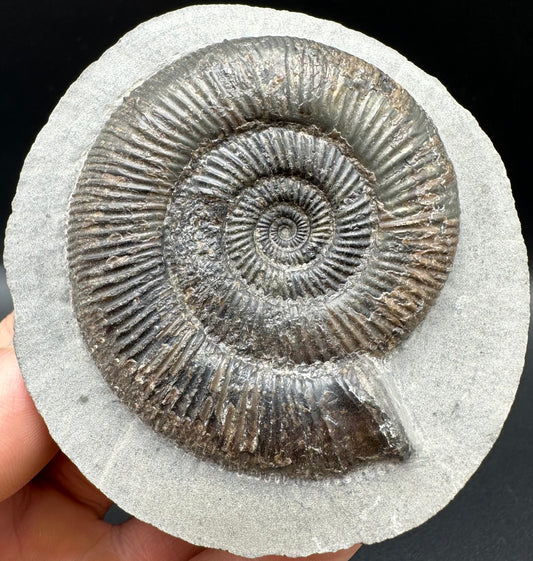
256,225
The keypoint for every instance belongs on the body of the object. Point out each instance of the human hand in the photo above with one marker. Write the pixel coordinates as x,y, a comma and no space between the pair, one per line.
49,511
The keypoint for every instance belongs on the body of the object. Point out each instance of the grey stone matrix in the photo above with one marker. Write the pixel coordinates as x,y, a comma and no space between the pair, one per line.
455,376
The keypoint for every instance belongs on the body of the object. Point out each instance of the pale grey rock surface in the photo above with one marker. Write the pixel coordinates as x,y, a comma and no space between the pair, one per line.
456,376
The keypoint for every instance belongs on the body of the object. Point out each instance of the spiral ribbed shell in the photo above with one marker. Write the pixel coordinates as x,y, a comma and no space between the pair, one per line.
255,228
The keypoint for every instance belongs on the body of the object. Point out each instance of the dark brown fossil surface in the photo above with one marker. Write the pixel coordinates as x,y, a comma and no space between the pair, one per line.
255,228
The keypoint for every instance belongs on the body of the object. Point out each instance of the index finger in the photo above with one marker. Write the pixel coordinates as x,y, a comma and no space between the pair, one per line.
217,555
25,444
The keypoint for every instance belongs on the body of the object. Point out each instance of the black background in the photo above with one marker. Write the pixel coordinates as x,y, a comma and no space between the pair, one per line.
481,51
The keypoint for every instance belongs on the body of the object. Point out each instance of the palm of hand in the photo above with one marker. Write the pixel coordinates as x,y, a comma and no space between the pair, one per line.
49,511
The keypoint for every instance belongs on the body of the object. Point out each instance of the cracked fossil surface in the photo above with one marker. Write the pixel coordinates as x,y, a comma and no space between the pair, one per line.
256,227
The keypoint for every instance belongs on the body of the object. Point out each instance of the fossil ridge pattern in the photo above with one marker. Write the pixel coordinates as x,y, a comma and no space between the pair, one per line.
255,228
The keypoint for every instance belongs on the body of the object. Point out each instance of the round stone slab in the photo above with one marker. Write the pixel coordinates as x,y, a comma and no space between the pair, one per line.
452,380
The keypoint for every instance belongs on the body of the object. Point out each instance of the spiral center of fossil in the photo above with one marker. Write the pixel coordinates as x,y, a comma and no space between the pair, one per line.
286,230
283,230
289,231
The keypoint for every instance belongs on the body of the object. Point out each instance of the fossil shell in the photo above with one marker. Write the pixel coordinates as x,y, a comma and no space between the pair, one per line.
257,225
